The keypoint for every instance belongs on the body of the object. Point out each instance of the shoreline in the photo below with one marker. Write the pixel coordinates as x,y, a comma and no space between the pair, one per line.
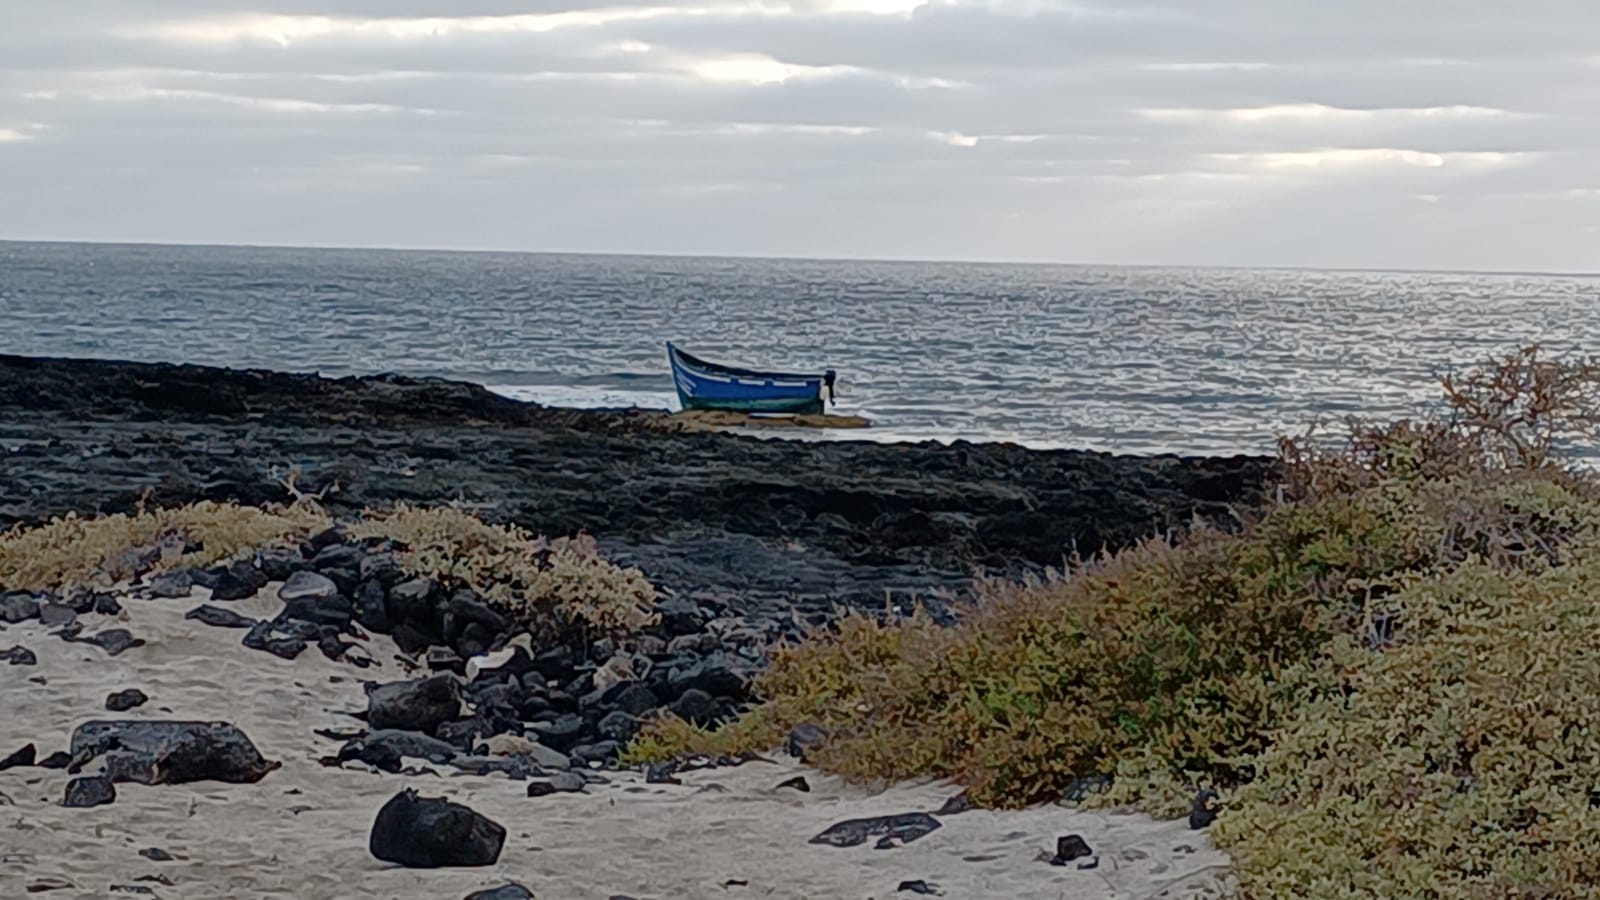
767,522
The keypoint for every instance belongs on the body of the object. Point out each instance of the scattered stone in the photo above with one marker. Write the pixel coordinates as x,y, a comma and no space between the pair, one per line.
1069,848
680,616
157,879
164,752
920,887
19,656
170,585
799,783
263,636
122,701
96,790
517,745
905,827
956,805
54,614
107,604
427,832
338,556
113,640
385,749
42,885
1203,811
597,754
421,704
18,606
206,614
804,739
557,783
313,597
23,757
132,889
57,760
156,854
279,563
633,698
617,726
512,891
562,734
239,581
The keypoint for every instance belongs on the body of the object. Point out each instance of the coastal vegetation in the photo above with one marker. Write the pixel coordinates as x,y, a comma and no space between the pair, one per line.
1391,677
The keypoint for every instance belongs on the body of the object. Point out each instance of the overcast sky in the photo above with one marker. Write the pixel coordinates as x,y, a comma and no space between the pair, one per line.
1385,133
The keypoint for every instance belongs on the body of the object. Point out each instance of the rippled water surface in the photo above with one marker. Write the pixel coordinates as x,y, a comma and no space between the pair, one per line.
1190,360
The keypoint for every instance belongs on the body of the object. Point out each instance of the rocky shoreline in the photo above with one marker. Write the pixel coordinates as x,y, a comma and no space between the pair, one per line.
761,525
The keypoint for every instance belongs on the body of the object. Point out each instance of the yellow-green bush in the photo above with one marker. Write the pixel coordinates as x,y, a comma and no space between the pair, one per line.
529,575
104,550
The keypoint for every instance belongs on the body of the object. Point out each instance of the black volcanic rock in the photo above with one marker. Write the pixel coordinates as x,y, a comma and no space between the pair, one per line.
18,606
122,701
207,614
421,704
238,581
92,791
23,757
425,833
170,752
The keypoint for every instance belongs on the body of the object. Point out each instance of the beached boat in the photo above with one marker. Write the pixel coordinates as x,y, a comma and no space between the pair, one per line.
707,385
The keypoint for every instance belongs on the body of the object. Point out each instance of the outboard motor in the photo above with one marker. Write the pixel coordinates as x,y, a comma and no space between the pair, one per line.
828,379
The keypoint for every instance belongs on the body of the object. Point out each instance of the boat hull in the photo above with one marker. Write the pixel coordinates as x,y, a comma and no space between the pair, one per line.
703,385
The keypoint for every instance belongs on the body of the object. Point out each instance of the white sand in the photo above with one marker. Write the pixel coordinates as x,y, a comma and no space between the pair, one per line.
301,832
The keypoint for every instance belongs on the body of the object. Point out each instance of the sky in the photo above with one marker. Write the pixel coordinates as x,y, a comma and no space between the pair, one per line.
1425,134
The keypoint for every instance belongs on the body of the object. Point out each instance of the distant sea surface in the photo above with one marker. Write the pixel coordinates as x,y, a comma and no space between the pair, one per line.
1122,359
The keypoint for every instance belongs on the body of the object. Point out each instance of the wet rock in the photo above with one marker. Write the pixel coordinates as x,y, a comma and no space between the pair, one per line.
168,752
264,636
617,726
23,757
114,641
422,704
19,656
206,614
557,783
92,791
54,614
511,891
1203,811
696,707
122,701
805,738
1069,848
426,832
905,828
170,585
238,581
17,607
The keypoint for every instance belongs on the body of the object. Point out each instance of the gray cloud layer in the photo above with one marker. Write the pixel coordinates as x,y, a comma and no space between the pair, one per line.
1292,132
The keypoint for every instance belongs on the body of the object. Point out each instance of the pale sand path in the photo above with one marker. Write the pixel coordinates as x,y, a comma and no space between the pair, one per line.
301,833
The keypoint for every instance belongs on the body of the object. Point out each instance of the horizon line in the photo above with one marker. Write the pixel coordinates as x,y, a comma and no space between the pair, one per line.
767,257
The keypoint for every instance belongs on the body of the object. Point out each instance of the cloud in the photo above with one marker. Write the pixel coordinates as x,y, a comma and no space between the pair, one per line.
1228,131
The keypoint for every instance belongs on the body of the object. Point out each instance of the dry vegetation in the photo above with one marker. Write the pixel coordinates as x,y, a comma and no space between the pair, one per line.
1392,676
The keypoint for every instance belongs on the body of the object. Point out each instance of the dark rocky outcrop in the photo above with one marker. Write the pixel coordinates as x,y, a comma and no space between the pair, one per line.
168,752
426,832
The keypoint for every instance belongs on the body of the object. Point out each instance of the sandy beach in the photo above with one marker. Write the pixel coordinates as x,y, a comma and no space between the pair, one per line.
301,831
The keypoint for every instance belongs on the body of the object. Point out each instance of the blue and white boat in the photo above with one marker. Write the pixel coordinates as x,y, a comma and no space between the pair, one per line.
708,385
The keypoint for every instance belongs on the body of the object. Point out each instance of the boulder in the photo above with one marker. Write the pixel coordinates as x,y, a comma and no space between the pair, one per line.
312,597
122,701
421,704
431,832
206,614
93,791
167,752
170,585
238,581
23,757
18,606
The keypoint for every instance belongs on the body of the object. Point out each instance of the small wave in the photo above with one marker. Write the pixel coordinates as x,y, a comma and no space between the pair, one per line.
586,397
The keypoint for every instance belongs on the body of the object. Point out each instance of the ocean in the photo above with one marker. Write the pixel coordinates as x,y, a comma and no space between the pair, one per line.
1121,359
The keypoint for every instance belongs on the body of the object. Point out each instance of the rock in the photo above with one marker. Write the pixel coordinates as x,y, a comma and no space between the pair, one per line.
170,585
804,739
956,805
1203,811
263,636
696,707
113,640
57,760
562,734
206,614
425,832
632,698
311,597
171,752
92,791
19,656
23,757
798,782
617,726
600,753
18,606
1092,862
382,568
280,563
107,604
156,854
919,887
122,701
53,614
905,828
720,675
372,607
238,581
466,607
412,600
444,659
422,704
512,891
1069,848
339,556
557,783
